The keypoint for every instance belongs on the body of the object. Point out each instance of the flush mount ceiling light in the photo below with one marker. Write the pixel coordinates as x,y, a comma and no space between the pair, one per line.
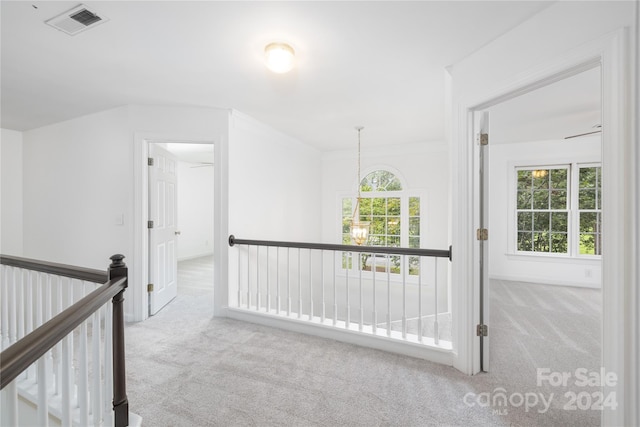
279,57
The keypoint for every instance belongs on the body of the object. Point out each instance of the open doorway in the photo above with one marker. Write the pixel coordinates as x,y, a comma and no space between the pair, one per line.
543,280
181,225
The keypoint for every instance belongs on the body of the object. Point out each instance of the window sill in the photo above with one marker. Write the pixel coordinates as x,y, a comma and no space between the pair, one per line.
555,258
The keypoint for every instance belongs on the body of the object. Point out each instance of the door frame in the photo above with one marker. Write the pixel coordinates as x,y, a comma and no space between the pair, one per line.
140,264
610,53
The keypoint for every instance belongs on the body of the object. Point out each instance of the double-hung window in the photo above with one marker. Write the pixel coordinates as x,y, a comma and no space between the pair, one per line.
395,221
559,209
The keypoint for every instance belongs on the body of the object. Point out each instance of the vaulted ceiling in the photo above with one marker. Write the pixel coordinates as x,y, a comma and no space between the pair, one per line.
378,64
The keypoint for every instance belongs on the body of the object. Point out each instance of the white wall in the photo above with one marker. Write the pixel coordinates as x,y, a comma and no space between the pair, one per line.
195,210
503,262
79,183
11,192
274,184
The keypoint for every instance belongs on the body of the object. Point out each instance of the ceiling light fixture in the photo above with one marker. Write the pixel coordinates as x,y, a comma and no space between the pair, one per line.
359,229
279,57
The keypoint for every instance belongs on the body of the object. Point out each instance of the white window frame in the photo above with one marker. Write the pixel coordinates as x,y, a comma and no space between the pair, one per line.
404,196
573,217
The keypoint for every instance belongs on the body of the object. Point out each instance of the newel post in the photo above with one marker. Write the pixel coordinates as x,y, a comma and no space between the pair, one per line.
118,269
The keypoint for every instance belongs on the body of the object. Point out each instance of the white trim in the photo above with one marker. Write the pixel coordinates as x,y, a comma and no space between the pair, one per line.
545,281
391,345
609,52
139,273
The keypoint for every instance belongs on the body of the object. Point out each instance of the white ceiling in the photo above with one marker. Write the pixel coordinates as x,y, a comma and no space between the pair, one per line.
378,64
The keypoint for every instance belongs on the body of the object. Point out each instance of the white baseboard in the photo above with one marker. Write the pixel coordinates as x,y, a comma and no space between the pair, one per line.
546,281
389,344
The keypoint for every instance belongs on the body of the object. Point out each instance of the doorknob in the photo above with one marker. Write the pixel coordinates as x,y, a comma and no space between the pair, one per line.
177,233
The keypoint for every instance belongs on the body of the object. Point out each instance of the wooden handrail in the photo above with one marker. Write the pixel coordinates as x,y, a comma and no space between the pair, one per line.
19,356
439,253
80,273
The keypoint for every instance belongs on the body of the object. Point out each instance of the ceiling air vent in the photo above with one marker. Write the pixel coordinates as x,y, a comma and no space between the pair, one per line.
76,20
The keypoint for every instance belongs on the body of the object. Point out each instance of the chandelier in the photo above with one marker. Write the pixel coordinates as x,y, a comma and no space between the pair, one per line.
359,229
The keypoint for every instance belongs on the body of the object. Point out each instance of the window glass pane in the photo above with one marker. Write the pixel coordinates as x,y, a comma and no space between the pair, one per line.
541,241
588,244
541,178
395,264
558,199
588,221
559,243
379,206
393,241
347,208
540,199
559,179
380,180
525,221
414,242
393,226
541,221
378,226
414,265
393,206
559,221
587,198
524,179
414,226
524,199
588,177
365,207
525,241
414,206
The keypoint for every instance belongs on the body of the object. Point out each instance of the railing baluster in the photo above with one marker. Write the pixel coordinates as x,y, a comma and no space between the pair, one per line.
4,296
348,320
28,324
248,277
96,359
322,314
404,297
20,305
278,280
258,300
361,309
48,291
420,299
299,286
13,307
268,283
82,386
388,261
288,283
10,404
310,287
436,332
239,278
335,290
374,314
66,372
43,392
57,362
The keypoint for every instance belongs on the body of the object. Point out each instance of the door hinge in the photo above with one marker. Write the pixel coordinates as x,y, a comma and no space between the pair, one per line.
150,161
482,234
484,139
149,224
482,330
150,287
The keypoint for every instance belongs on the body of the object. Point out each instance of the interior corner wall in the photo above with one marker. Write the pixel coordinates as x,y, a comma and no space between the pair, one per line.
11,224
503,262
195,210
77,184
274,184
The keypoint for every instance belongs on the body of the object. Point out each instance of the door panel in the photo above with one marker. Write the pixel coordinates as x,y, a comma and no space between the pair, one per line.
163,262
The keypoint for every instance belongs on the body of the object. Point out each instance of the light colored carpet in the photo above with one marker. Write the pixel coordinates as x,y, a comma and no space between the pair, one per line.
186,368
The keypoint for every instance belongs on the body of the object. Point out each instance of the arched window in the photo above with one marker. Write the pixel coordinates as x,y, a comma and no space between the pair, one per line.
394,217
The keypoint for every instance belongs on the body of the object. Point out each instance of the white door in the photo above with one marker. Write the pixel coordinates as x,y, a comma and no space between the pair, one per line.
163,261
481,125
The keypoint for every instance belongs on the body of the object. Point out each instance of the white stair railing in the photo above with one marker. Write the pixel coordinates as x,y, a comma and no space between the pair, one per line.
71,383
347,287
